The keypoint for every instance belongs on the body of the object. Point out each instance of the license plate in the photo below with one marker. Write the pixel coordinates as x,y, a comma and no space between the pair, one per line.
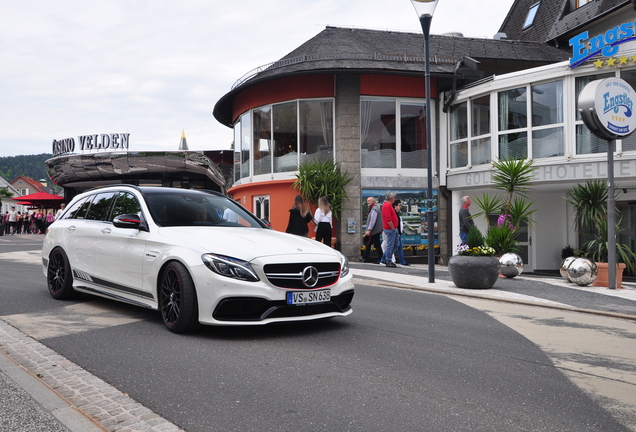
306,297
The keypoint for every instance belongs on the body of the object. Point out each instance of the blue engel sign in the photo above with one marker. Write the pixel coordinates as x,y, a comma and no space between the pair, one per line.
607,108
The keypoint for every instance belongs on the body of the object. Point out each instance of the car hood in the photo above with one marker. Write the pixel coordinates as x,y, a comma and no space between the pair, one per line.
245,243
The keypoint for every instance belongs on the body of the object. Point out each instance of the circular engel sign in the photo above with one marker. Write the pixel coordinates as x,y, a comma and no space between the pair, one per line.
607,108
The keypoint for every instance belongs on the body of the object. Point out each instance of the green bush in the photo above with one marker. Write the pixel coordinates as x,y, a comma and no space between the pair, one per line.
475,238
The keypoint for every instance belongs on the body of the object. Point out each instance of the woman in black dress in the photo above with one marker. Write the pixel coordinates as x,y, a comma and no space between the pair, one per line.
299,217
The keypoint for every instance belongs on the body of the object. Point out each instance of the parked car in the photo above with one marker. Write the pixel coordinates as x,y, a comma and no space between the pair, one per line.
184,253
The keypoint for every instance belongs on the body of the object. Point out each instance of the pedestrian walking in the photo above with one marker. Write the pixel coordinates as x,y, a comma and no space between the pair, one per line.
299,217
465,221
389,224
374,231
323,220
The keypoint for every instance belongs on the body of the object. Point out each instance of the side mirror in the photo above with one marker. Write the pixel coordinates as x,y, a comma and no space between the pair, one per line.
130,221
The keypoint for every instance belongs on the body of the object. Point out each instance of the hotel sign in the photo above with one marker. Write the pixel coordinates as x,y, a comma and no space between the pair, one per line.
549,174
606,44
115,141
607,108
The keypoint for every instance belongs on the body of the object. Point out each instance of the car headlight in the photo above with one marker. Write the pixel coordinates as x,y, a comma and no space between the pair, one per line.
344,266
230,267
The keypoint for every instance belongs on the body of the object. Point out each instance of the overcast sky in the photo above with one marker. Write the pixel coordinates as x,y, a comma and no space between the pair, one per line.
152,68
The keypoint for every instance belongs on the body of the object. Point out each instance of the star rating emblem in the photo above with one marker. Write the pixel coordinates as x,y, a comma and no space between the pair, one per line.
599,63
623,60
611,61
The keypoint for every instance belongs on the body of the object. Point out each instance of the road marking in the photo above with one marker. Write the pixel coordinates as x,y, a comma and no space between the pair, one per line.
69,320
27,257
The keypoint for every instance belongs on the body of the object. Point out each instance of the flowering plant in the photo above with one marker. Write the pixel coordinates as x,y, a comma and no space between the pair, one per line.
465,250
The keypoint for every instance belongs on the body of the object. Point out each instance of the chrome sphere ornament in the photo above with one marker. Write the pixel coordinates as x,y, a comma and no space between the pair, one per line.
564,268
582,271
511,265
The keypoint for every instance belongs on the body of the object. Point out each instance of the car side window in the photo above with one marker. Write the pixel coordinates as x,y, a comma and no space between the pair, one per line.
100,206
71,213
81,210
125,203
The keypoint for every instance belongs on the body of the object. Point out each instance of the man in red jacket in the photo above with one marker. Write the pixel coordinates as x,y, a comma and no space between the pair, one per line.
390,224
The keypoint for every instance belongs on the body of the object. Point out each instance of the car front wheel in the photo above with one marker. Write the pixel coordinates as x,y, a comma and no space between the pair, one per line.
59,278
177,299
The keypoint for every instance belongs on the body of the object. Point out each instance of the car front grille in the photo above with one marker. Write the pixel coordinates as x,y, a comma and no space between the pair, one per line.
258,309
292,275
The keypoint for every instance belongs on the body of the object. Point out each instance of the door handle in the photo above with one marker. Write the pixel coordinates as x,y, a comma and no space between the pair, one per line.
71,228
106,231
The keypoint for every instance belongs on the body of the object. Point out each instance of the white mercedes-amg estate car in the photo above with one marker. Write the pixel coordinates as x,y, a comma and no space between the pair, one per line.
196,256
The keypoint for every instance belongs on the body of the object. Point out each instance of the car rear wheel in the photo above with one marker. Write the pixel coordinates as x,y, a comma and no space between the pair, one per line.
177,299
59,278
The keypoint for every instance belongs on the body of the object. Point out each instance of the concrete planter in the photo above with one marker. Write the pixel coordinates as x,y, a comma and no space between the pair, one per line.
474,272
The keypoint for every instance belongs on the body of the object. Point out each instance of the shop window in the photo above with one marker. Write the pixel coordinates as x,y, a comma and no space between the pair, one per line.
532,13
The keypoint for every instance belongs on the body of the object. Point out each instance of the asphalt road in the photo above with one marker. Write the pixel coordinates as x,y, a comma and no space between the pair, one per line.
404,361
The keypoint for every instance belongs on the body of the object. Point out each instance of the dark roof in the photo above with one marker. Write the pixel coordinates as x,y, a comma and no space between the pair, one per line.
341,49
556,20
338,50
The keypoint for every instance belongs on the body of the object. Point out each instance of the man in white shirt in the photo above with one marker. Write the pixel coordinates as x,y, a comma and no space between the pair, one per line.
13,218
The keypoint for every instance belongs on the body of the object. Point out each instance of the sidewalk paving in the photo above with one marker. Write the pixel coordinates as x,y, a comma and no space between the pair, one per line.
43,391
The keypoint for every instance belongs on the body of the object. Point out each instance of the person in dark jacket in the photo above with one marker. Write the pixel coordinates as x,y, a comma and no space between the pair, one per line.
373,232
299,217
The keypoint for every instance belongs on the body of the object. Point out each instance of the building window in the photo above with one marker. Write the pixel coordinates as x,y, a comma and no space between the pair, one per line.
246,135
316,130
547,120
459,135
470,146
267,138
413,152
580,3
261,207
380,131
532,13
261,150
586,141
480,131
285,128
629,143
377,133
543,136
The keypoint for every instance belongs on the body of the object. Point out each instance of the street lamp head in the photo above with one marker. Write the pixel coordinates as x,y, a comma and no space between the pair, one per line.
424,8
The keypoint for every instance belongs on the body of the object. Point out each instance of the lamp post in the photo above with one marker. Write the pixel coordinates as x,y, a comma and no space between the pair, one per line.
425,10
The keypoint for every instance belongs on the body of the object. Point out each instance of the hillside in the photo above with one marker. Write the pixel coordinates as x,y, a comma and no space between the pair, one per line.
29,166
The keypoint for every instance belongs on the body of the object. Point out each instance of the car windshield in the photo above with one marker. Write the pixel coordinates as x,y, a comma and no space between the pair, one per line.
197,209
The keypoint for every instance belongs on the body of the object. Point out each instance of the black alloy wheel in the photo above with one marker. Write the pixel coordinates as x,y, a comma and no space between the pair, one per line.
177,299
59,279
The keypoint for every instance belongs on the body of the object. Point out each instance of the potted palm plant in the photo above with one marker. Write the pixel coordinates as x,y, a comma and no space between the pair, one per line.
590,203
514,178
